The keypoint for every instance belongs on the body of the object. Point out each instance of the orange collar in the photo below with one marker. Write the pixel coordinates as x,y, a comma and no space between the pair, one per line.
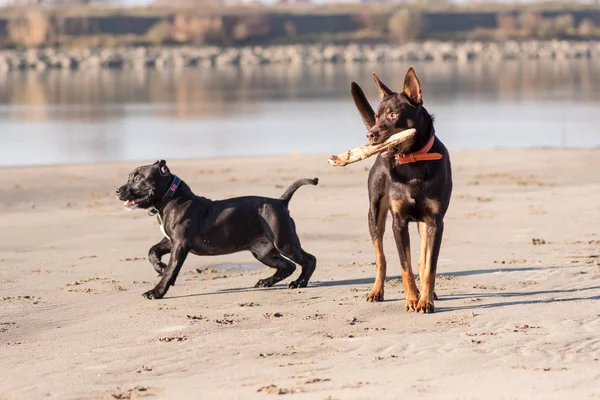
421,155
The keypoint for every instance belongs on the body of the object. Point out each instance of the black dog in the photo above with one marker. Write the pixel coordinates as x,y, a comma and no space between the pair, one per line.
197,225
413,181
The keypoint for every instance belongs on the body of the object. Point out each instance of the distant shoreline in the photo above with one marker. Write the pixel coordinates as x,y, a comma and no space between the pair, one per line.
213,56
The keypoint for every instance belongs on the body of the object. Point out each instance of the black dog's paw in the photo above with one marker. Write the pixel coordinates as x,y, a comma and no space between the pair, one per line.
154,294
299,283
264,283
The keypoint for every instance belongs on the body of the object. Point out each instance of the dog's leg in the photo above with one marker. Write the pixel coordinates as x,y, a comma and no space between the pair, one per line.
155,254
378,211
309,264
286,242
274,260
402,238
422,227
178,254
433,239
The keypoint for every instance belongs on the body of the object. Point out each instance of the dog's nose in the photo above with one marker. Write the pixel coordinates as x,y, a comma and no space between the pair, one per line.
372,135
118,191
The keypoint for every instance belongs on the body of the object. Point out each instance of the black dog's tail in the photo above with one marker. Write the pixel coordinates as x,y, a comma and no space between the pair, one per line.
287,196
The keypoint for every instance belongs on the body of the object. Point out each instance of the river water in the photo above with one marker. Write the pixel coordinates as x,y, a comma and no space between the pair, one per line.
59,117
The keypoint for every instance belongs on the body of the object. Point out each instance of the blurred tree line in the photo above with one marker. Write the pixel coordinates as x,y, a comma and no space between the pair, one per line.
213,24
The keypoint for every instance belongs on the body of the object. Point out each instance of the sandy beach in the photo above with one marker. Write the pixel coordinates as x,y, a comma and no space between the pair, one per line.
518,280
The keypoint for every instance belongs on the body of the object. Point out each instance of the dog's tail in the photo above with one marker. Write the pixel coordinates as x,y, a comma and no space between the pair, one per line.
287,196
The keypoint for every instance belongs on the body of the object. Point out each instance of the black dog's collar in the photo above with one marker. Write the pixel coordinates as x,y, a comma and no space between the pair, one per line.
170,192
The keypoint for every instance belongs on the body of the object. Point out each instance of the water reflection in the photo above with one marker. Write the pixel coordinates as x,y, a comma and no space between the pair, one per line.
105,115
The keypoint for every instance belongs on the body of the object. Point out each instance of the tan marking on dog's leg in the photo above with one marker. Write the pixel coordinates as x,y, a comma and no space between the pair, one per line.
433,239
380,262
403,246
427,284
423,251
432,206
408,281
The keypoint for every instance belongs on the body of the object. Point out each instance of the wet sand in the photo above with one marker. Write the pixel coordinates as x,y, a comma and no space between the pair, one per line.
518,280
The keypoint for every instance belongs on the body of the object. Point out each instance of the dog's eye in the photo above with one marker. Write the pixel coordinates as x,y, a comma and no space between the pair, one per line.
393,115
137,178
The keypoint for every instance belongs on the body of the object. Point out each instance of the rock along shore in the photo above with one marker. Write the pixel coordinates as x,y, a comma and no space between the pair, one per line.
209,57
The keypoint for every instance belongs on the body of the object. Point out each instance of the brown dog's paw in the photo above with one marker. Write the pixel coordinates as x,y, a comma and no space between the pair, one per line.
411,304
375,296
153,294
425,306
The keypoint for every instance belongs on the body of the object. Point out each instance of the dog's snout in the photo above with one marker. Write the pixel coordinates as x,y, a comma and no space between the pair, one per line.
118,191
373,135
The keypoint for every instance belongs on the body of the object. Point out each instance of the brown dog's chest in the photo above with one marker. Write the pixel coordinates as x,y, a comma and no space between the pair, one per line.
410,201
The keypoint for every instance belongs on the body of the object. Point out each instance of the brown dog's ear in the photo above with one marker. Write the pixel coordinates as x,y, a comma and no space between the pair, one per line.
164,170
362,104
412,87
383,90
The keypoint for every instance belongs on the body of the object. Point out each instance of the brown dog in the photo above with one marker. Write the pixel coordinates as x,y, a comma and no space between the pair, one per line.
413,181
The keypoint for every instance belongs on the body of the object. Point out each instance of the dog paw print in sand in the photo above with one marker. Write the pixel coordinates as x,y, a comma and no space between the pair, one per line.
5,326
132,394
524,328
249,304
357,264
143,369
390,357
476,338
274,315
462,320
39,271
94,285
276,390
355,385
487,287
228,319
174,338
29,299
196,317
513,261
543,369
314,317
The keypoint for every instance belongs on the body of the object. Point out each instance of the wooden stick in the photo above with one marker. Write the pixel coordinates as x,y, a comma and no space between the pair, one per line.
366,151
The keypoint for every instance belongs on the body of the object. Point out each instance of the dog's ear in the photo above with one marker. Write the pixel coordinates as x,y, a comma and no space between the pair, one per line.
164,170
383,90
362,104
412,87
